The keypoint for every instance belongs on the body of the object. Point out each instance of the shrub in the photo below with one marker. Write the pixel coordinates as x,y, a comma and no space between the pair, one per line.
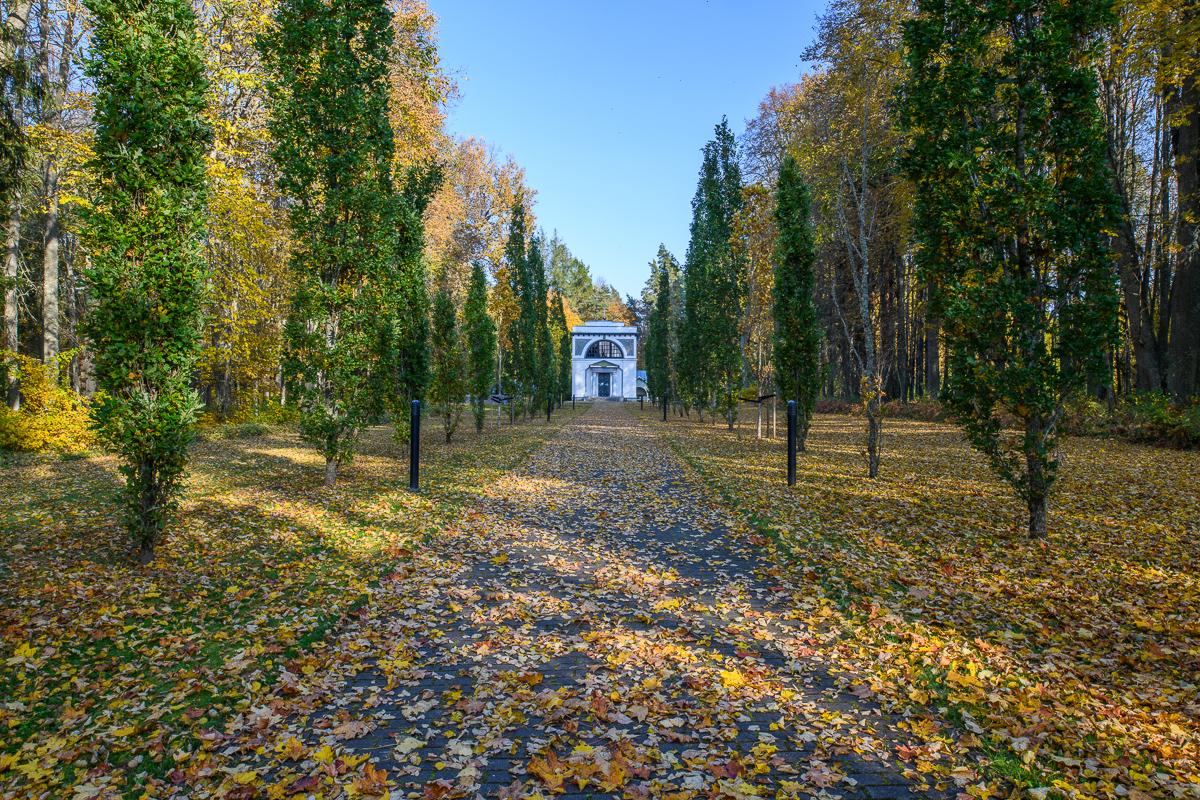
1153,418
240,430
52,416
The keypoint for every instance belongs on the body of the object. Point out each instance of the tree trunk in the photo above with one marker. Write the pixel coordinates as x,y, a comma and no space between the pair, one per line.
331,471
15,24
12,244
932,373
149,513
1038,487
50,266
1183,374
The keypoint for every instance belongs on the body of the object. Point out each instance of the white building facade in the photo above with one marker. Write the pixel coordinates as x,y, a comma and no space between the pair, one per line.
604,360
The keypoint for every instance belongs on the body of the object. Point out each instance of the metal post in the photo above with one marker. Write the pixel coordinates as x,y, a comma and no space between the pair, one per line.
666,403
572,401
641,402
791,442
549,407
414,448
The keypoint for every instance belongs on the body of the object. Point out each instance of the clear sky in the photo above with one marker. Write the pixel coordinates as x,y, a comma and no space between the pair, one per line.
607,104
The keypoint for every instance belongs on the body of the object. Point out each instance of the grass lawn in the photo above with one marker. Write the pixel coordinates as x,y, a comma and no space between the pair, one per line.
119,679
1066,667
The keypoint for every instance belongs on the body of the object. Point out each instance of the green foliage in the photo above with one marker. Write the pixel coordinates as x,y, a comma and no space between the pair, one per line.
658,338
1145,417
237,430
522,359
797,333
480,333
356,336
560,335
52,416
547,372
448,386
1014,205
144,232
530,371
710,352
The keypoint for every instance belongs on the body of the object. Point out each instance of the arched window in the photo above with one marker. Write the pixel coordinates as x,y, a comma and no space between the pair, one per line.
604,349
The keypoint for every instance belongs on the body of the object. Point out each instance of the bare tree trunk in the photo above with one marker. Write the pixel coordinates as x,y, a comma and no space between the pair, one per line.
12,245
50,269
933,328
15,24
1183,375
331,471
1037,488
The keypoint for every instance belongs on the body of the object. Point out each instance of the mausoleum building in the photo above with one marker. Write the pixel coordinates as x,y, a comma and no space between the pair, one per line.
604,360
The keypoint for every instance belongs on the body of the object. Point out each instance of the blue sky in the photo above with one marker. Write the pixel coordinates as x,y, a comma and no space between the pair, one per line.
607,105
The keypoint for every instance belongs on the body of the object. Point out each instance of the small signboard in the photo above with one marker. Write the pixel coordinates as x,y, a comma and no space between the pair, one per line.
501,399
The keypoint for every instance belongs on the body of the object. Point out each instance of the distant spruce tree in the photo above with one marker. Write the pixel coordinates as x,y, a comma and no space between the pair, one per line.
797,329
448,380
480,333
328,67
144,232
1013,207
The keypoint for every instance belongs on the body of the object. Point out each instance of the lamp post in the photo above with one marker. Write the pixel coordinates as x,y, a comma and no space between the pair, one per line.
791,443
414,448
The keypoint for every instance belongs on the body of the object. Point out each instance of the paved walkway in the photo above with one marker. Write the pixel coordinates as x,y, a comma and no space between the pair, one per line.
596,630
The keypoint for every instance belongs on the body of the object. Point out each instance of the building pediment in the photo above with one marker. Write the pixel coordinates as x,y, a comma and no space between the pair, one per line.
605,365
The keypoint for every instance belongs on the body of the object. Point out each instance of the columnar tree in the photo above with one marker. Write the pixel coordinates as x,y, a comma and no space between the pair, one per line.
715,281
447,386
1013,211
333,149
401,300
797,333
543,371
658,340
147,268
560,338
480,334
522,351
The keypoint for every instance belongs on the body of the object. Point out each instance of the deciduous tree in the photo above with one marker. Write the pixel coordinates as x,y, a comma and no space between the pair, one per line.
797,336
333,148
480,333
147,271
1014,204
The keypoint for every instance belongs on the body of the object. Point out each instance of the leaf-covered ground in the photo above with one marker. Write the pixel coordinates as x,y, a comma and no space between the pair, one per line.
1066,667
619,607
593,627
119,680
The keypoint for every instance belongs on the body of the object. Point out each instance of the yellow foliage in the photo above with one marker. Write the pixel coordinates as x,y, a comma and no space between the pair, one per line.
51,417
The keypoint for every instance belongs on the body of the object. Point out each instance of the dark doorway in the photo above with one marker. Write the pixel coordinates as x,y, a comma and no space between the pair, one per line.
603,384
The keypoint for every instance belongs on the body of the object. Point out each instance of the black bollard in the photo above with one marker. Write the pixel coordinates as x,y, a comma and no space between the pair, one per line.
414,448
549,407
641,402
791,443
572,402
666,403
